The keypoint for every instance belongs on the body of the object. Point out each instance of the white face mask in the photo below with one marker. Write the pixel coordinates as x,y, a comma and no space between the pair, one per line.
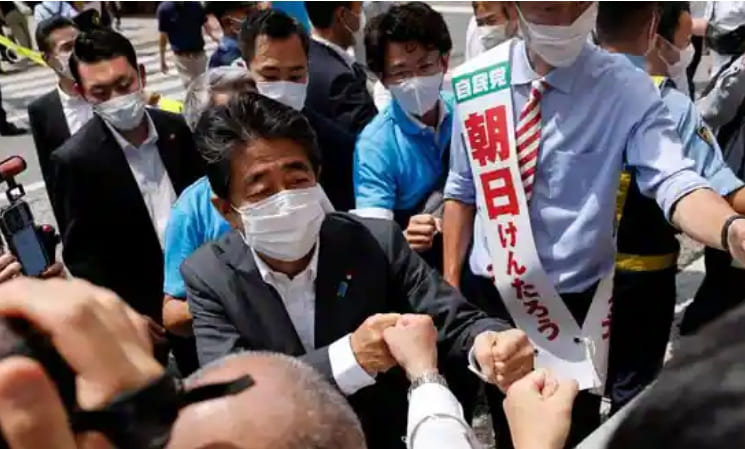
418,95
492,35
285,226
286,92
123,113
62,62
685,56
559,45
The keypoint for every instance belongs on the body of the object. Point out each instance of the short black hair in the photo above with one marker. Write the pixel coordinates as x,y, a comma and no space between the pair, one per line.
245,118
220,9
410,22
273,24
619,21
46,27
100,45
698,400
670,13
321,14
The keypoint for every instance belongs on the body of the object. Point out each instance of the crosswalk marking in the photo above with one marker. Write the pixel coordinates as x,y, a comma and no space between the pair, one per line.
21,88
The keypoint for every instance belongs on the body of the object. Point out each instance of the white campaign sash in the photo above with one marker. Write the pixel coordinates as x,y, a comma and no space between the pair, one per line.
484,102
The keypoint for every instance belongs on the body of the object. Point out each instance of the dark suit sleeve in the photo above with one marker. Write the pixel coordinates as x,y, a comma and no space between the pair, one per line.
457,321
215,334
351,103
43,152
80,247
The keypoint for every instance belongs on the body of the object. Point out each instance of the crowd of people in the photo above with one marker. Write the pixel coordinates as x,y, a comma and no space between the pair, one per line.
332,250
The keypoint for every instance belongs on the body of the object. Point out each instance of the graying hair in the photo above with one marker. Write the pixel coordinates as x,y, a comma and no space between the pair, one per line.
324,418
219,79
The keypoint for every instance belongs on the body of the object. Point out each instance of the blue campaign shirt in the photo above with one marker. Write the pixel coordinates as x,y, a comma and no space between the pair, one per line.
598,113
398,160
194,221
698,141
182,22
228,51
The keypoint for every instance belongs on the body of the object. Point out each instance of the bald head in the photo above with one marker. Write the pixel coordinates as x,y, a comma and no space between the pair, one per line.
290,407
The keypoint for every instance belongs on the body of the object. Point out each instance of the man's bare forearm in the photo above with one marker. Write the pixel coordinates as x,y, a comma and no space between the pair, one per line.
457,231
162,43
736,199
701,214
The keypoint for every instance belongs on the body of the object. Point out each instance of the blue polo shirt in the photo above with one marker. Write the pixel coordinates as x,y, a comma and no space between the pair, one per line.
182,23
398,160
194,221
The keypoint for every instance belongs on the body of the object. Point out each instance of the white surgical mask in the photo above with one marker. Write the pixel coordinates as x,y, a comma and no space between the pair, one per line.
124,112
285,226
286,92
559,45
685,56
492,35
418,95
62,61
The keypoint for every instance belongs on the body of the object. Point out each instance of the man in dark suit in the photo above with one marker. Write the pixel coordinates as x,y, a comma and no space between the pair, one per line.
58,114
116,178
296,278
338,85
275,48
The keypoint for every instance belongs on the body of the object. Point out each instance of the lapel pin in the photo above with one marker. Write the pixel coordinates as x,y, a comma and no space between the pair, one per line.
172,136
344,286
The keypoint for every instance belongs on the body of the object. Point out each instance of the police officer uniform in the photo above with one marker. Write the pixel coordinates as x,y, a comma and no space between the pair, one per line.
646,263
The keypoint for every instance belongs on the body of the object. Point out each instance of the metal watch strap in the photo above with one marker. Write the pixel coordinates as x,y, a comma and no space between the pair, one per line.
725,230
430,377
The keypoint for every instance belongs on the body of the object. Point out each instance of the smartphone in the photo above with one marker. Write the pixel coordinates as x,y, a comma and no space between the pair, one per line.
17,226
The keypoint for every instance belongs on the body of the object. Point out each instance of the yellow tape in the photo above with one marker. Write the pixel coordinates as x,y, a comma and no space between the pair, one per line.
623,193
164,103
22,51
634,262
167,104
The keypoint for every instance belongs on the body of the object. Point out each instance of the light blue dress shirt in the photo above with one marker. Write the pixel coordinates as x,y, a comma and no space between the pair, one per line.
698,141
599,113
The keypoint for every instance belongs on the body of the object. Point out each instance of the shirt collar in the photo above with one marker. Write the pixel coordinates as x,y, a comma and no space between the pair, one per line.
639,62
66,98
560,78
349,59
269,276
152,134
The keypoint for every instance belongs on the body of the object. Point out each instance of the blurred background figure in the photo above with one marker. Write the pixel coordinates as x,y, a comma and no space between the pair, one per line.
48,9
231,16
180,24
492,23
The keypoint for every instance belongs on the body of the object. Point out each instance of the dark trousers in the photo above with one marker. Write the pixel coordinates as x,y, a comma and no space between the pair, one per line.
723,289
586,410
643,310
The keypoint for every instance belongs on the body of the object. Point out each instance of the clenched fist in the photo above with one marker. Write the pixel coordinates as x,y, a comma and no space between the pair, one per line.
413,343
421,231
504,357
368,344
540,398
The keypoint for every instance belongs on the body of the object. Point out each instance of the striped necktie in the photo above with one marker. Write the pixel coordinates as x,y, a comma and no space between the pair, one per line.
529,136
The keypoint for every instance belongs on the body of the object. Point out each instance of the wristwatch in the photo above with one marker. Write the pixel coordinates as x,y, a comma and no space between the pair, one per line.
725,230
430,377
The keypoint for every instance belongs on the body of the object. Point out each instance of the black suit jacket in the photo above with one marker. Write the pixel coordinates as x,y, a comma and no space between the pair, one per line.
50,131
108,237
235,310
337,151
337,91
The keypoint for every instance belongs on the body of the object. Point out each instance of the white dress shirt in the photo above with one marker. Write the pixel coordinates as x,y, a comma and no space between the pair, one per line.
151,176
77,111
299,298
345,55
436,420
